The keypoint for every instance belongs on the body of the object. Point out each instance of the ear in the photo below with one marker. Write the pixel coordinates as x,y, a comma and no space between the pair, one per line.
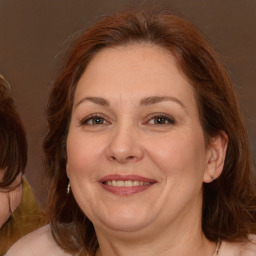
216,154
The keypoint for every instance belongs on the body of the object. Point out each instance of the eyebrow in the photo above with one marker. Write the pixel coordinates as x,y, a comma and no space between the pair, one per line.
143,102
157,99
96,100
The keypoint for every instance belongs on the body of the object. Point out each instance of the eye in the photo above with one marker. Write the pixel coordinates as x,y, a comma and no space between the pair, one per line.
161,119
94,120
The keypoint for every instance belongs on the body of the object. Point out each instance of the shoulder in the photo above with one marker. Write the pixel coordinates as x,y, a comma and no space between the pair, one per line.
247,248
38,243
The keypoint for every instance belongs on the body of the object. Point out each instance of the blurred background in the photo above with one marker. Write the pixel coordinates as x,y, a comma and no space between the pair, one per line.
35,33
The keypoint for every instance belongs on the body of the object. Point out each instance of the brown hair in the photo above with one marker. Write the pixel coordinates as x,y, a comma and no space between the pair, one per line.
229,203
13,143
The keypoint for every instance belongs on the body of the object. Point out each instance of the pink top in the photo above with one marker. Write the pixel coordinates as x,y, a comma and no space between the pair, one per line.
41,243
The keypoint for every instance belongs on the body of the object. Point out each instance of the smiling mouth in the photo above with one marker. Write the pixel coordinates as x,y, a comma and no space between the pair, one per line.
126,184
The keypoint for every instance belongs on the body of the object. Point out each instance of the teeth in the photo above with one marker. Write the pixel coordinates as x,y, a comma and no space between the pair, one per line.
127,183
136,183
119,183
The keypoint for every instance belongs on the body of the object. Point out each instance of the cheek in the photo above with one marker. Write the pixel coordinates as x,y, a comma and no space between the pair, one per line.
85,161
4,209
82,159
15,198
179,154
83,155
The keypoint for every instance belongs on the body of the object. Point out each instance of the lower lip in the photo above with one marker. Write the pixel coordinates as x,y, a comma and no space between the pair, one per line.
126,191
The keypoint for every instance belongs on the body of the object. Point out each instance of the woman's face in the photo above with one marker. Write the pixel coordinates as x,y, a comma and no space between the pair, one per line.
9,201
135,148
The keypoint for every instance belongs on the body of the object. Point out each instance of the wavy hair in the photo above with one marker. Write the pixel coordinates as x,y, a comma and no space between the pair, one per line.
229,203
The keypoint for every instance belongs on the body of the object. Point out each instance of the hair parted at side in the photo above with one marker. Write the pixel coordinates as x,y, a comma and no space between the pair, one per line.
229,203
13,142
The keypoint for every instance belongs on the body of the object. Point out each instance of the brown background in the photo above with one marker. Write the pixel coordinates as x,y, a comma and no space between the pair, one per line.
33,34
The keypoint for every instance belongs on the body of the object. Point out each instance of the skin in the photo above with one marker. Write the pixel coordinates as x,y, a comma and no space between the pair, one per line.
145,123
9,200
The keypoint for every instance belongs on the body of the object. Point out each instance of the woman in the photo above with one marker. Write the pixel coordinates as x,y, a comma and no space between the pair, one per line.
19,213
146,152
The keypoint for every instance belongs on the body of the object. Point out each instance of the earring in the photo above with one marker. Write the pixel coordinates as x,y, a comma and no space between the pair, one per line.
68,188
212,178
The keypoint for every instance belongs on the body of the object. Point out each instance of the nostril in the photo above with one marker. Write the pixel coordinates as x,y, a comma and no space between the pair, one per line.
122,159
113,158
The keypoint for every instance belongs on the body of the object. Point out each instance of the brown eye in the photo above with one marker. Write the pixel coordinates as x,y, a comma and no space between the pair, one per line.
97,120
159,120
94,120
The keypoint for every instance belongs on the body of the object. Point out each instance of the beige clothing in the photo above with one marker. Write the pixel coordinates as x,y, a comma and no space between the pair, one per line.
37,243
239,249
41,243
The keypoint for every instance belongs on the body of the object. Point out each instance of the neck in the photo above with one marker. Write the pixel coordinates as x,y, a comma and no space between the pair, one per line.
182,239
203,247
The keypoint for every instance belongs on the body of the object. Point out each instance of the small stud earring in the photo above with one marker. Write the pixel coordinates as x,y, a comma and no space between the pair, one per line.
212,178
68,188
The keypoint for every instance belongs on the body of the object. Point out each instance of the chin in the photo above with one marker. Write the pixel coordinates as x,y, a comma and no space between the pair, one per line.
126,222
125,227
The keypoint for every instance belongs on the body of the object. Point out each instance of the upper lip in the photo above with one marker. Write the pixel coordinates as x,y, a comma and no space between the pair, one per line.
125,178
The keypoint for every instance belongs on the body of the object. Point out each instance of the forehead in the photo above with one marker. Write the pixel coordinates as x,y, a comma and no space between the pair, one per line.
136,70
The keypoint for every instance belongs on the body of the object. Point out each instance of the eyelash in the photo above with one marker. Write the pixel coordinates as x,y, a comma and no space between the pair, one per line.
156,117
87,119
161,116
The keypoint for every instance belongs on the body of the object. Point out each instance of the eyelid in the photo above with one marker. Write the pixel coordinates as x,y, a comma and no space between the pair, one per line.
85,119
170,118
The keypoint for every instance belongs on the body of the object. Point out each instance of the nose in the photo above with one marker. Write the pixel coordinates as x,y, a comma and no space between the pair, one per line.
125,146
